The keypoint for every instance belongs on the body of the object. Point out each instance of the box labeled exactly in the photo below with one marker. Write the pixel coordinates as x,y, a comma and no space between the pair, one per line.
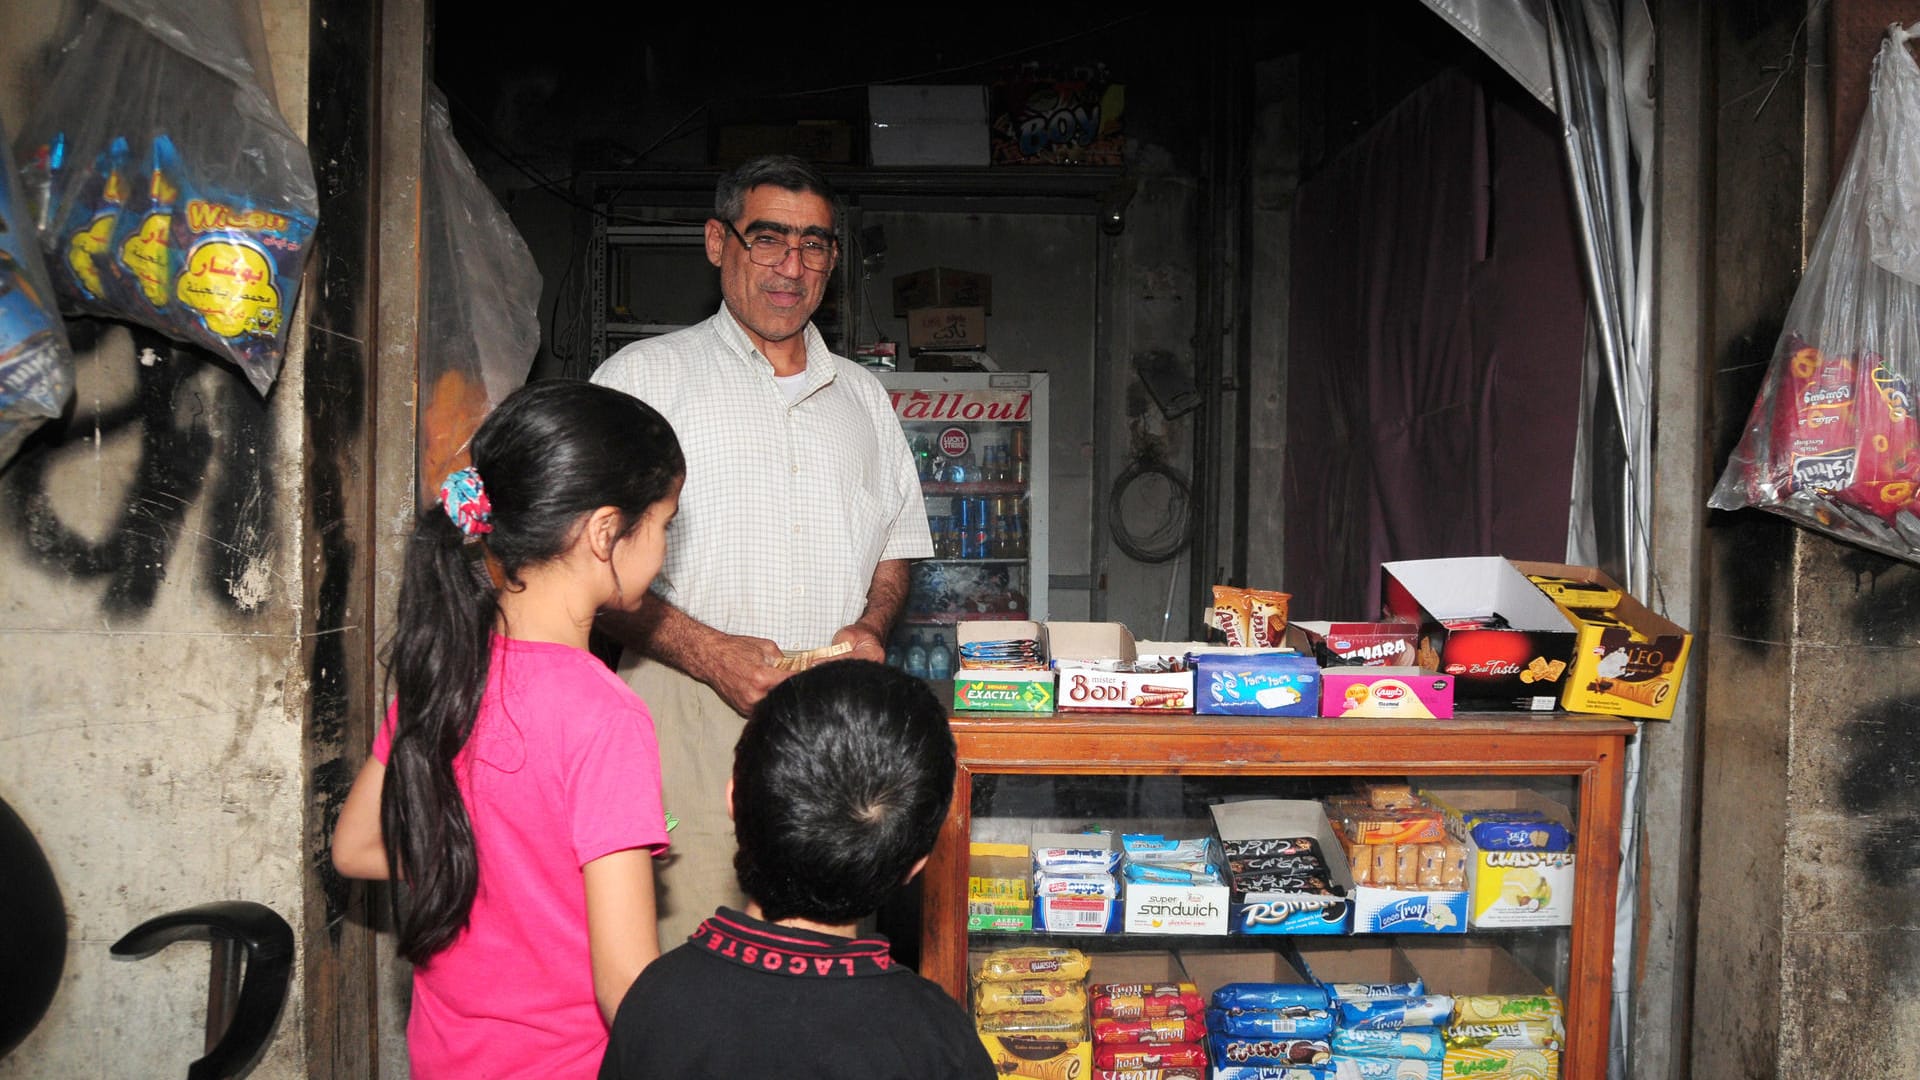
1003,691
998,897
1174,909
1287,912
1627,660
942,287
1256,683
1386,692
1482,622
1509,888
947,328
1092,663
927,125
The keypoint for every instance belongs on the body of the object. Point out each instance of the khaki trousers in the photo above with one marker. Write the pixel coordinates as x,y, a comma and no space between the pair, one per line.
697,732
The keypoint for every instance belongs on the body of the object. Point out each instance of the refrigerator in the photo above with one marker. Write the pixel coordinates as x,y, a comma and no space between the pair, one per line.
980,443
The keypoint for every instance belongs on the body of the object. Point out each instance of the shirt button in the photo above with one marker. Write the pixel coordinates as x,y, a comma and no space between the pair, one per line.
796,470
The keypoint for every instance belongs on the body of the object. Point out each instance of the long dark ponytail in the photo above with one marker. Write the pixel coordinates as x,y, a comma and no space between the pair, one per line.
549,453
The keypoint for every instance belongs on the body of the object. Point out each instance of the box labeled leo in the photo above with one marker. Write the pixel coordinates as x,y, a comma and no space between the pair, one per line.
1627,660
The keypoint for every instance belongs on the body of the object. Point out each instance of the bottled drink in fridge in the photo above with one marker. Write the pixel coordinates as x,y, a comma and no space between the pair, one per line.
916,657
939,660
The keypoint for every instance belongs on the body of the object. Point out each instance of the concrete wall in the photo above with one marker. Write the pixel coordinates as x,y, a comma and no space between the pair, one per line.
150,654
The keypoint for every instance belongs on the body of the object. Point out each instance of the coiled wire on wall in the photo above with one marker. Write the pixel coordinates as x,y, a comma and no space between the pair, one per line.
1175,529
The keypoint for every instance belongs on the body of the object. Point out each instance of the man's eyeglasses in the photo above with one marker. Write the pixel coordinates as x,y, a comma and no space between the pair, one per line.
770,249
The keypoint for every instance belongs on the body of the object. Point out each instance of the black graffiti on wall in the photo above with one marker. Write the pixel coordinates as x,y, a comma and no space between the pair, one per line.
188,429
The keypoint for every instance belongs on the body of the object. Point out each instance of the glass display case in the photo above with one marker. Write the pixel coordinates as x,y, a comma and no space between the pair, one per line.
1518,926
980,441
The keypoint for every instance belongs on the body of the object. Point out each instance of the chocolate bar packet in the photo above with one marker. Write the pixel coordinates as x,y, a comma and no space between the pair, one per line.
1293,845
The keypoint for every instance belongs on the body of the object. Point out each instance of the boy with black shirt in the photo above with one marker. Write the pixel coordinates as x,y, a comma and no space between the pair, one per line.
840,783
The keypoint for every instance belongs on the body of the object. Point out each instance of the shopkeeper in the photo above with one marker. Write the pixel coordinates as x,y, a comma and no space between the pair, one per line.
800,511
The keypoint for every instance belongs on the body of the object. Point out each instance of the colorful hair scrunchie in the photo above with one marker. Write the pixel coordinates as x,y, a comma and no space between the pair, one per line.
465,500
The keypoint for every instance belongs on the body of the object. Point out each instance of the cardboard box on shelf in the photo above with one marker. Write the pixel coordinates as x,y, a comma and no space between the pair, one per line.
1017,690
927,125
1627,660
1287,912
1506,665
1355,960
1080,649
942,287
947,328
1386,692
1255,682
1039,1055
997,887
1174,909
1374,644
1508,888
1471,967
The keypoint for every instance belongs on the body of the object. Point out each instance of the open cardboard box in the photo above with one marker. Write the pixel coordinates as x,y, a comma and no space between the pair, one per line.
1508,888
1288,912
1079,651
1469,967
998,887
1015,690
1075,914
1627,661
1492,668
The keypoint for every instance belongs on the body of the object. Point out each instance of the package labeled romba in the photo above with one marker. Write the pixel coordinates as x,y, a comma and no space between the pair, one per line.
1832,441
167,190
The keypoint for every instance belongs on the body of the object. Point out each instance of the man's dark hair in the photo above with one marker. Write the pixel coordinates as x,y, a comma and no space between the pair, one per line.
840,783
778,170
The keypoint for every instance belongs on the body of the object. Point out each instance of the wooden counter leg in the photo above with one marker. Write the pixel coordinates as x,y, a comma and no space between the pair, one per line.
1590,966
943,912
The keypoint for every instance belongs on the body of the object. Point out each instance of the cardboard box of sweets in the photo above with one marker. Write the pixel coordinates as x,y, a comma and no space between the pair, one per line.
1627,661
997,689
1481,621
1092,664
1508,888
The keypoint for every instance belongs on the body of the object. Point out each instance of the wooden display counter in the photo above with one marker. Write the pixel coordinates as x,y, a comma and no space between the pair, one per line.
1590,750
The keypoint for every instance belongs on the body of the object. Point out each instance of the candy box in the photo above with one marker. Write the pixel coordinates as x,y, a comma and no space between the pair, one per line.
1039,1055
1403,692
1627,661
998,894
1374,644
1015,690
1094,667
1076,914
1508,888
1174,909
1482,622
1287,913
1262,682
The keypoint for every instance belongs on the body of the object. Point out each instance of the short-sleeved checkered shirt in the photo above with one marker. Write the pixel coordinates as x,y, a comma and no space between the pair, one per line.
787,509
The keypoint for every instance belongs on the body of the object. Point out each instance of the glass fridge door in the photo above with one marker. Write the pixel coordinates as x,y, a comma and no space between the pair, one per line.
979,442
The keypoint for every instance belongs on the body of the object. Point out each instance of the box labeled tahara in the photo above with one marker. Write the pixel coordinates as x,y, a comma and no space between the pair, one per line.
1023,689
1372,644
1254,682
1481,621
1512,880
947,328
1627,660
1403,692
1292,911
1092,907
1097,667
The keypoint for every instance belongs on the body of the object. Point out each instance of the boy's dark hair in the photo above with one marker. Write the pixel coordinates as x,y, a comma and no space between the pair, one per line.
840,783
777,170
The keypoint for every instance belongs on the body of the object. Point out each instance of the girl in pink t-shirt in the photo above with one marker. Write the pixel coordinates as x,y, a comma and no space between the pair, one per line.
513,793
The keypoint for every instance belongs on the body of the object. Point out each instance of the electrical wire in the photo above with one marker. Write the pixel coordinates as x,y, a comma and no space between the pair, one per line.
1176,528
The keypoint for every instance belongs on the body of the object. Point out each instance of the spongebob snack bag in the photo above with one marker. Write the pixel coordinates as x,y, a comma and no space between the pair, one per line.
168,190
36,367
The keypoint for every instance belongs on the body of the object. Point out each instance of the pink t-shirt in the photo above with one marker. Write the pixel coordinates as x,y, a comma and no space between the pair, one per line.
562,769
